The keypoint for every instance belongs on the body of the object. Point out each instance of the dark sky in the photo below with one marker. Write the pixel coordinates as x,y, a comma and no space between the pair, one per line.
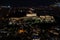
27,2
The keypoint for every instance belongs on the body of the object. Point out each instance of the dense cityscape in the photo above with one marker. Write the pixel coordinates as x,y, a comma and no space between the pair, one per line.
29,23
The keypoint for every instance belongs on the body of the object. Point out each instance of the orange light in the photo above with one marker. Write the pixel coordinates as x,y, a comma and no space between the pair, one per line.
21,31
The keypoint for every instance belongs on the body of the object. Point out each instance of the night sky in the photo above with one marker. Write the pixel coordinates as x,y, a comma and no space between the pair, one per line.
27,2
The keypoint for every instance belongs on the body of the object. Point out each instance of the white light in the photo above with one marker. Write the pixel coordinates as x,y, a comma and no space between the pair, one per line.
31,15
8,6
10,23
5,6
21,11
31,8
36,39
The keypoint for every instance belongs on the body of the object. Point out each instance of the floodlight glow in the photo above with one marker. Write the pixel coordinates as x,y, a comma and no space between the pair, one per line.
31,15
